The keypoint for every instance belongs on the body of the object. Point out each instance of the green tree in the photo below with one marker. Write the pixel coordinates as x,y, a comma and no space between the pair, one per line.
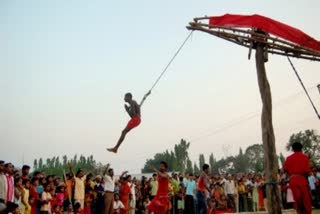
52,161
196,169
189,166
225,165
57,163
202,161
310,141
74,159
65,160
40,165
282,158
35,164
177,159
48,161
240,162
181,155
212,163
255,157
154,162
53,165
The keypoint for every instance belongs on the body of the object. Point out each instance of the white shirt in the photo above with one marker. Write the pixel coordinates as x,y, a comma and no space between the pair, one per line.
3,187
248,183
229,187
133,190
117,205
79,188
109,183
45,197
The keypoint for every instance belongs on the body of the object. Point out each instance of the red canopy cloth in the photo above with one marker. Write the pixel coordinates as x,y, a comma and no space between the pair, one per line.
268,25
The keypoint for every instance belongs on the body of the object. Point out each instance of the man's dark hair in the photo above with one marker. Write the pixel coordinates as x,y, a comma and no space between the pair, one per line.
191,174
110,170
154,174
17,179
205,167
1,162
25,167
128,95
11,206
78,172
7,165
77,206
164,163
36,173
34,179
25,181
297,147
46,184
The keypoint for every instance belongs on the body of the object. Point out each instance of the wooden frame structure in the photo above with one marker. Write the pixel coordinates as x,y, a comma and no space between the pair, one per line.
249,37
263,43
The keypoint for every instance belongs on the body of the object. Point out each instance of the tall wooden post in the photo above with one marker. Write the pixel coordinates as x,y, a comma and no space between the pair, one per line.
268,138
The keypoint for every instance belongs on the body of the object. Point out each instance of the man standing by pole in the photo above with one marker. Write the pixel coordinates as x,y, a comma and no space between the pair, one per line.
298,168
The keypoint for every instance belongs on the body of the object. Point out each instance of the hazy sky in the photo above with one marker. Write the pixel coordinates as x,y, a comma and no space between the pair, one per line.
65,66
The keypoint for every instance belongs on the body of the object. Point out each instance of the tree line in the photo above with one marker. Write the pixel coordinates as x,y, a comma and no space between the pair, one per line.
55,166
249,160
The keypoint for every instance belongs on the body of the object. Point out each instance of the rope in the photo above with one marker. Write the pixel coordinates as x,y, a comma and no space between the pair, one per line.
165,69
304,88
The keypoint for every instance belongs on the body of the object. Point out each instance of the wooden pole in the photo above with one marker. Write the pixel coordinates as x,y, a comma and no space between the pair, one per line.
268,139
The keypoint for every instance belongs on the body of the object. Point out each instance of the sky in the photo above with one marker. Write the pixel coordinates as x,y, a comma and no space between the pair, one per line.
65,66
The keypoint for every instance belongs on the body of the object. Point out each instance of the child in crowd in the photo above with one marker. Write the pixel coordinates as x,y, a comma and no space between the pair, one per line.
132,204
180,197
46,199
56,209
25,206
117,204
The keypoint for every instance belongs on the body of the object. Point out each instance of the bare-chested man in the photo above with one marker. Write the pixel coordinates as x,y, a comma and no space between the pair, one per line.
134,112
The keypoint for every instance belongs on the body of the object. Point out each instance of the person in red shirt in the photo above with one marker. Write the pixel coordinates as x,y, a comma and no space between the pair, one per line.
202,189
124,194
160,203
34,194
298,168
134,112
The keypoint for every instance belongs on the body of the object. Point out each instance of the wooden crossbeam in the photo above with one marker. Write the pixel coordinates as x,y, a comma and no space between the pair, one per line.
248,37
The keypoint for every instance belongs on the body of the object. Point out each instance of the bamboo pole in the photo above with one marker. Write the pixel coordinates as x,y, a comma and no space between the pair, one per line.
268,139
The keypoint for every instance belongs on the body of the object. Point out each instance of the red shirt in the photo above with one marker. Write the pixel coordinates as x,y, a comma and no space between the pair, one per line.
297,166
202,183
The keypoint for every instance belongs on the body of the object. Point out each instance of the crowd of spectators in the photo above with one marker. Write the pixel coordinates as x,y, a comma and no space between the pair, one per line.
83,192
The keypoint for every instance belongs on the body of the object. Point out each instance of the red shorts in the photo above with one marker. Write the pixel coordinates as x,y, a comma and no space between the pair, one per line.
134,122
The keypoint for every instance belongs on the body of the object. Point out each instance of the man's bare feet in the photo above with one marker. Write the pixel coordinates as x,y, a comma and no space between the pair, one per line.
114,150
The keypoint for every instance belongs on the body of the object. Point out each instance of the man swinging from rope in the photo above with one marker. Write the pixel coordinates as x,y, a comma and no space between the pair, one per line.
134,112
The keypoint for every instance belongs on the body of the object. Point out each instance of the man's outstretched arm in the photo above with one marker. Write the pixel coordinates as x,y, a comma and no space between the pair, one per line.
106,169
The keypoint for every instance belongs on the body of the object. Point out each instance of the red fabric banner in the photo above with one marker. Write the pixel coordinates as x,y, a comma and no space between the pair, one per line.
268,25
